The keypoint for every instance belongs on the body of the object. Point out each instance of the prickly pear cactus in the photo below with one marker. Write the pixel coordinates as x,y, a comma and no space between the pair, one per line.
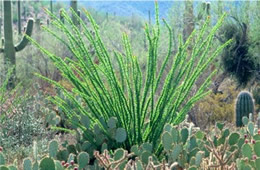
47,164
27,164
2,159
83,160
53,148
244,106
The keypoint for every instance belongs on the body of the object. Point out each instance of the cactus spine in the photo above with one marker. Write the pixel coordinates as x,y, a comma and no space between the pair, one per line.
244,106
9,48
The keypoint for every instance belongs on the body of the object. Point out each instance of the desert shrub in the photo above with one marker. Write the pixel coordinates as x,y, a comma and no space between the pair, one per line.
22,118
219,106
237,59
127,99
23,124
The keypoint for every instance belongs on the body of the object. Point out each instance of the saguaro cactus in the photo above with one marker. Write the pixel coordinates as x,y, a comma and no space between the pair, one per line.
149,17
19,17
188,19
9,48
244,106
74,6
61,17
51,6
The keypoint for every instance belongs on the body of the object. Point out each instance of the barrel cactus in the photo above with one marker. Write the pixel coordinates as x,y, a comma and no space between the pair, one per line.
244,106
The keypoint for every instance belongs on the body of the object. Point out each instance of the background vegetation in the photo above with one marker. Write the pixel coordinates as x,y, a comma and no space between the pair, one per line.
27,116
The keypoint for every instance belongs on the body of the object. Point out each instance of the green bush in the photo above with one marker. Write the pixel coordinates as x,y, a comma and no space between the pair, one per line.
117,102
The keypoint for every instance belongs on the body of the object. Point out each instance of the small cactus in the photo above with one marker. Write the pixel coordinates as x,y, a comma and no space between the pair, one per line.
244,106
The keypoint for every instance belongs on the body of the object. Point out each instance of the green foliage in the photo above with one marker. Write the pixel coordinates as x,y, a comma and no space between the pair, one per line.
244,106
129,94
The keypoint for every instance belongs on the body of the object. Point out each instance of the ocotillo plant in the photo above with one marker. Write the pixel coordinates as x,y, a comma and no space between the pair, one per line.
122,90
244,106
9,48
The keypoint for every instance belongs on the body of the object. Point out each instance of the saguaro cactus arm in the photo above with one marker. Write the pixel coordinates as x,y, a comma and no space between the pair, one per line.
22,44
